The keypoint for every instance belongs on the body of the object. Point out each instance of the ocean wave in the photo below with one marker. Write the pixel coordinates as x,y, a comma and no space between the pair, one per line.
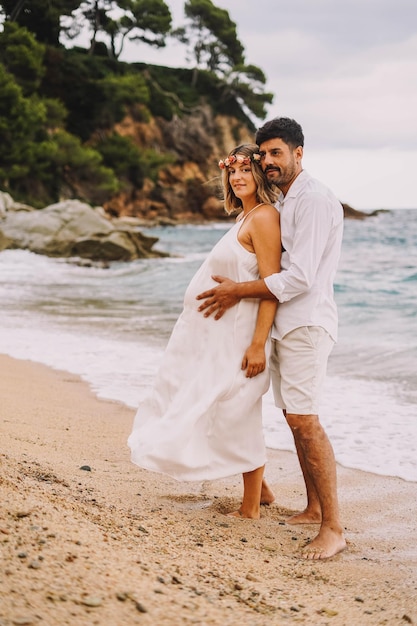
111,325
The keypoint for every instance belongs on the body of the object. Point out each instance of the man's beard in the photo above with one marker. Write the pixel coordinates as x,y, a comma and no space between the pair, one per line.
273,181
279,176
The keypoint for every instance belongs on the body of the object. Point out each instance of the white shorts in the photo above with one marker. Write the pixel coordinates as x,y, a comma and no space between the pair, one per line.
298,367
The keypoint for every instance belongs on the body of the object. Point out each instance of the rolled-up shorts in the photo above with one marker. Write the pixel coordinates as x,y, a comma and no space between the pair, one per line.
298,366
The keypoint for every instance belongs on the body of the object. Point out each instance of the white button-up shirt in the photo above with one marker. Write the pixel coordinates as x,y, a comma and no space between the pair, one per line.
311,232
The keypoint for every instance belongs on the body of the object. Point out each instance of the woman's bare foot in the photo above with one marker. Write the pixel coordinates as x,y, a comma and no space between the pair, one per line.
328,543
242,515
267,495
305,517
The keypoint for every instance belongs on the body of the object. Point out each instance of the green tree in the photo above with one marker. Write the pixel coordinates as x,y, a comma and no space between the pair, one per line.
245,84
122,156
40,162
130,163
79,170
148,21
22,56
41,17
138,20
214,46
97,92
21,123
120,91
211,37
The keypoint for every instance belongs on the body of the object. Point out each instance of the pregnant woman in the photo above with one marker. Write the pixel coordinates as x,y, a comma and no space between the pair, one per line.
203,417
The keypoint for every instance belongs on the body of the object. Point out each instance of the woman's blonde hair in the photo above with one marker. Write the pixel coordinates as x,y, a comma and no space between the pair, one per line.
264,193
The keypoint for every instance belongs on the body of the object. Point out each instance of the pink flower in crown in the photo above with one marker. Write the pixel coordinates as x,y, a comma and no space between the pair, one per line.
239,158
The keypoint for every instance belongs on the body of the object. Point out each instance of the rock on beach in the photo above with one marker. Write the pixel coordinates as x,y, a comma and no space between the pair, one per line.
72,229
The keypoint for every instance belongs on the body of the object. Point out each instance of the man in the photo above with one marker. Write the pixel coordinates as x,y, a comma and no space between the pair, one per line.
305,326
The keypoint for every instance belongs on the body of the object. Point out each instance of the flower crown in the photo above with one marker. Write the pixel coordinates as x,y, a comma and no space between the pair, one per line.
238,158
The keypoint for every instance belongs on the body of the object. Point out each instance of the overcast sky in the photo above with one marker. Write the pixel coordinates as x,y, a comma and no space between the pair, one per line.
347,71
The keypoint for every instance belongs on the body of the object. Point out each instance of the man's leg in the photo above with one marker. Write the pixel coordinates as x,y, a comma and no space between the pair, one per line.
312,512
319,469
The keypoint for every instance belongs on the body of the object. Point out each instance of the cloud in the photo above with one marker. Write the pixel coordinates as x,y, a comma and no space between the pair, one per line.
363,102
342,25
347,71
367,178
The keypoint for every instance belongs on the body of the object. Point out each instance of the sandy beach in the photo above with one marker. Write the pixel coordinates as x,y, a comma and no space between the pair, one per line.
88,538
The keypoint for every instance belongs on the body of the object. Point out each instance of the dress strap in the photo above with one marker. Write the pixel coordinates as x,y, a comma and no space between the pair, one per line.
240,219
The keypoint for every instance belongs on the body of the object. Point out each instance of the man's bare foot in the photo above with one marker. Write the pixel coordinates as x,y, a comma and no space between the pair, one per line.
267,495
305,517
328,543
243,515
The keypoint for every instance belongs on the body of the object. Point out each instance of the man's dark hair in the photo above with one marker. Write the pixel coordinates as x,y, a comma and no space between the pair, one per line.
283,128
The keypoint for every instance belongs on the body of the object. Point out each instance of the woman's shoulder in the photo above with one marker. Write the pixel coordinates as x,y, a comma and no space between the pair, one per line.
266,211
268,206
265,221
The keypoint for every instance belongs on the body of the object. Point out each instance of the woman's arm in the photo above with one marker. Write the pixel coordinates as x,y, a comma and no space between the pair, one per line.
265,237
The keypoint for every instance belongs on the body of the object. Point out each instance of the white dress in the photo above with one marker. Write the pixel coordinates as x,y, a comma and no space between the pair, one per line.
203,418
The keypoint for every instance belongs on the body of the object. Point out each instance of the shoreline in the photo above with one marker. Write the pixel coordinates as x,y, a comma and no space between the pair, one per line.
119,545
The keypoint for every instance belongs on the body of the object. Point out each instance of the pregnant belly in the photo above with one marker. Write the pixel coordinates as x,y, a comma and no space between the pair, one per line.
197,285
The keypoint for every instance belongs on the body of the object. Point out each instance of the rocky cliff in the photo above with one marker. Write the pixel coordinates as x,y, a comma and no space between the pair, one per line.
189,188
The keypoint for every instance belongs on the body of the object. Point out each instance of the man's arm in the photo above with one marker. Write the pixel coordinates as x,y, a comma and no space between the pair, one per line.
228,293
314,217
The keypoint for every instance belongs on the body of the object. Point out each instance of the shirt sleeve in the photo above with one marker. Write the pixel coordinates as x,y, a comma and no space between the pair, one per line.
313,224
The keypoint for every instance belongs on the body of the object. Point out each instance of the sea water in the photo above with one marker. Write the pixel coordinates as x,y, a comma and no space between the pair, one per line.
110,326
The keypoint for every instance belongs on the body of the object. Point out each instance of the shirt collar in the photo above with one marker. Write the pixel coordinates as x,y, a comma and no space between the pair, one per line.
298,184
